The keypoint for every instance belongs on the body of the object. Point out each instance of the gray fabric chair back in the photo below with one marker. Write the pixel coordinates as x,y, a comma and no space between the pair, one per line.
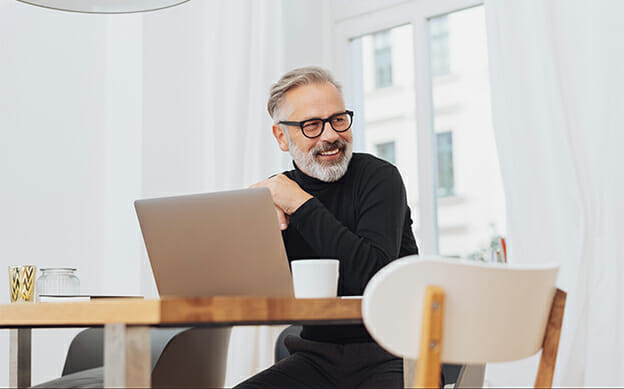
181,357
86,350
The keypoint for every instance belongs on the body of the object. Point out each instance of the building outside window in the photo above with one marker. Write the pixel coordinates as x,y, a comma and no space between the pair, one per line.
446,179
439,41
383,59
386,151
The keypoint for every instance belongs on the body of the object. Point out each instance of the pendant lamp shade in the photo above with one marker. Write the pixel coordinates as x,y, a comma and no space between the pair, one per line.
105,6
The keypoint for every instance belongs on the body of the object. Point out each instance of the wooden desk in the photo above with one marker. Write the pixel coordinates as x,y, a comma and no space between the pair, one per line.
127,321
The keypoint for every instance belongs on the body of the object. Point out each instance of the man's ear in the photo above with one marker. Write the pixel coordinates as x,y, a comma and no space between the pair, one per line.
280,136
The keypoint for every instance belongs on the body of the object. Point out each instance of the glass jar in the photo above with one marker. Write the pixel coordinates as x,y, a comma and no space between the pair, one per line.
61,281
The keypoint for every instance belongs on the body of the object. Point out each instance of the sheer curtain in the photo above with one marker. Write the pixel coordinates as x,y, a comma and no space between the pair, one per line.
557,99
244,56
208,67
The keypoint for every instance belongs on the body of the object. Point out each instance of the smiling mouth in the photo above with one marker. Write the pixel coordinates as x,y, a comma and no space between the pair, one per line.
329,153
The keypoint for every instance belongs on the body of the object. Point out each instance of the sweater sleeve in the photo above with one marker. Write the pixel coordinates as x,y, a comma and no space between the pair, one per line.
381,206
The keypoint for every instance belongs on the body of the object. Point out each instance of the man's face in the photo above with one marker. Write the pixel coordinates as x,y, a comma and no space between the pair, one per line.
327,156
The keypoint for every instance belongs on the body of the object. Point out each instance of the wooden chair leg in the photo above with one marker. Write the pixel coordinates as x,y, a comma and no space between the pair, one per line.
428,370
550,345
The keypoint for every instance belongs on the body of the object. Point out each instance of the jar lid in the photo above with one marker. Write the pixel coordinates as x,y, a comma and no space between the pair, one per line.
59,268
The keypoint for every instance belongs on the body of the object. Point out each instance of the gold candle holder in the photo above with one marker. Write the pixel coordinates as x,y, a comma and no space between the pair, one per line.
22,283
27,282
14,283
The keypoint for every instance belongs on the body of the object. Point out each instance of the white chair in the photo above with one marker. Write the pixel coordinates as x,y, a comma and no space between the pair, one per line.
435,310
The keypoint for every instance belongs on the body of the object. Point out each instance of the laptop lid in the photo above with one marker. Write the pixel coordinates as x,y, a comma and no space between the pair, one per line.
215,244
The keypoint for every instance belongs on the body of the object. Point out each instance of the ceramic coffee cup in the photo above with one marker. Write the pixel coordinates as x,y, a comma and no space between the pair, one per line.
315,278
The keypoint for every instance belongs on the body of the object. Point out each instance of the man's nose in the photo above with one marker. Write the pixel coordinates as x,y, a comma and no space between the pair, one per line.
329,135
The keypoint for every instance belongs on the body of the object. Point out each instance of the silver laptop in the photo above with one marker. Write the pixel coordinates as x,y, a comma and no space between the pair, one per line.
215,244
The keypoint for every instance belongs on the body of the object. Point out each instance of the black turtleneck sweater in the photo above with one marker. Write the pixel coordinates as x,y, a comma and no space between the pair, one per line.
362,219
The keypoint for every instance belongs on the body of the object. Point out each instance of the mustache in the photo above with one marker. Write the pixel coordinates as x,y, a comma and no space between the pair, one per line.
325,146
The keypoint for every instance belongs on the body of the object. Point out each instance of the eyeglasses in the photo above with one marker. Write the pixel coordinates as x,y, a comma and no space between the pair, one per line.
313,128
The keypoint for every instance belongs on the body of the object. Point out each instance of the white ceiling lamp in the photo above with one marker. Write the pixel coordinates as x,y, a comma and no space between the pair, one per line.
105,6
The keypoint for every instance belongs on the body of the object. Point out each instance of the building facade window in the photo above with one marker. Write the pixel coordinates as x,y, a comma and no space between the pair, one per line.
383,59
446,177
439,41
386,151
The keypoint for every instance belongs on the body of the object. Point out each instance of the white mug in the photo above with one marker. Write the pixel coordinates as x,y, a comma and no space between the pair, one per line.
315,278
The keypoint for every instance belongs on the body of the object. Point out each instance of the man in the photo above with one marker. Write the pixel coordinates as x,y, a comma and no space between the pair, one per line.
333,204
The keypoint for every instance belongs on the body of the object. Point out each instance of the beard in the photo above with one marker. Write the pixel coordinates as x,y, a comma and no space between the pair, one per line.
326,171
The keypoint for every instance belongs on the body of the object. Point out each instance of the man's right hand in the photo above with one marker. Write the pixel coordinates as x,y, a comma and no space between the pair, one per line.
287,196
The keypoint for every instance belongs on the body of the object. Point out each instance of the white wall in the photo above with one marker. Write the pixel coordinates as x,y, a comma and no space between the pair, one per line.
53,122
69,155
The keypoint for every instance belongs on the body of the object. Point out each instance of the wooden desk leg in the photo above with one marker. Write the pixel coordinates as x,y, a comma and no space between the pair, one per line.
127,356
409,372
19,357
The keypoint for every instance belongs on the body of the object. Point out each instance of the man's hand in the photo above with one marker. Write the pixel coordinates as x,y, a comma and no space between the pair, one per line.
282,218
287,196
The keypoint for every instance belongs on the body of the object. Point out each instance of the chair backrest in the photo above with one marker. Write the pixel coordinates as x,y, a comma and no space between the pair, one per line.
181,357
492,312
86,350
281,352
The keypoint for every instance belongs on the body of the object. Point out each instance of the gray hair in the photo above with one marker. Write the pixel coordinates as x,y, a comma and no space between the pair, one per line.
294,78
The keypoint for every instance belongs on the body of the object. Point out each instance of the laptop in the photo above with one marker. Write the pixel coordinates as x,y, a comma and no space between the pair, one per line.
215,244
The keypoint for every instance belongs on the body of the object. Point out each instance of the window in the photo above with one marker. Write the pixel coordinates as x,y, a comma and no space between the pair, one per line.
440,81
388,127
470,200
386,151
446,181
383,59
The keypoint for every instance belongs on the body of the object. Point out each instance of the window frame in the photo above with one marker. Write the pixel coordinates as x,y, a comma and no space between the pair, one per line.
355,19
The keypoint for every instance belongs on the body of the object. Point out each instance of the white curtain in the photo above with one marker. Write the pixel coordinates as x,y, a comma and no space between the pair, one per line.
208,67
245,56
557,78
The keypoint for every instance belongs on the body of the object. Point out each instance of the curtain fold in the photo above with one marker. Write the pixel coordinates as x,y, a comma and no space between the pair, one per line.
208,67
243,55
557,82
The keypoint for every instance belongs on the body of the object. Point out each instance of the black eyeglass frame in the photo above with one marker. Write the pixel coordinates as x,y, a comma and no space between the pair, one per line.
328,120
